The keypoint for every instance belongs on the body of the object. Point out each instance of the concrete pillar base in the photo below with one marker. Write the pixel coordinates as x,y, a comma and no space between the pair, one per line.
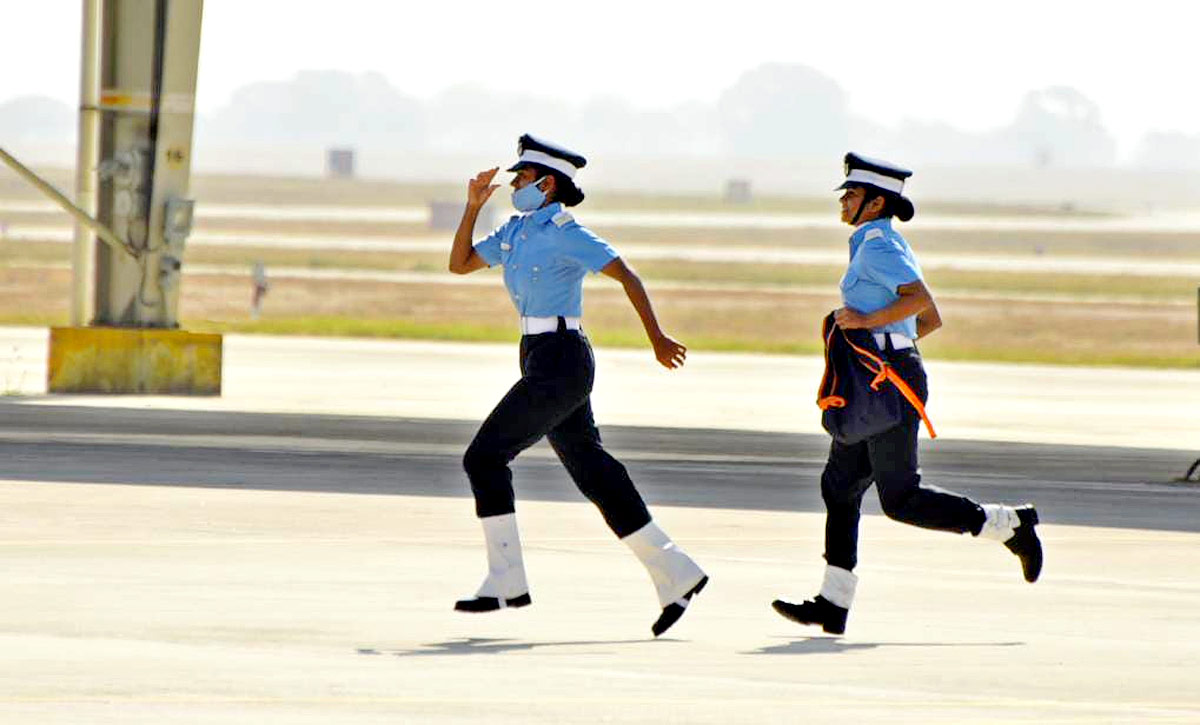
138,361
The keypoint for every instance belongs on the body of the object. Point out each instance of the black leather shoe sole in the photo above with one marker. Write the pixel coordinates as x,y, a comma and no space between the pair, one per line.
490,604
672,612
1026,544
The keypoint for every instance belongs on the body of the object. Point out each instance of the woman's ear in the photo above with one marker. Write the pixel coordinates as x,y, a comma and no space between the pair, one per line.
550,185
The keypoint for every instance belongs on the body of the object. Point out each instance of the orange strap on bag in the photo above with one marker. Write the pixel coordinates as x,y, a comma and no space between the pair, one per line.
824,402
829,401
910,396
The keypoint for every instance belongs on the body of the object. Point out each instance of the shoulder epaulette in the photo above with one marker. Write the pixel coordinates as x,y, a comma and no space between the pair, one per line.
562,218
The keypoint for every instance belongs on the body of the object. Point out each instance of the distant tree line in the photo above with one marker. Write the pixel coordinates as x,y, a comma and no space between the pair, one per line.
772,111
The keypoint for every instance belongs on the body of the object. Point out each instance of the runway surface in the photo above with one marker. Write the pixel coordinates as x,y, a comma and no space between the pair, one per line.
706,468
278,556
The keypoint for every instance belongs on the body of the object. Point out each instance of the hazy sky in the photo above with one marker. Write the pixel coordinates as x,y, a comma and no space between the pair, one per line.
961,62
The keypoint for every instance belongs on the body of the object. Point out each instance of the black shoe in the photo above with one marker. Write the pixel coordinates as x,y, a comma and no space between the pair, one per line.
490,604
673,611
1025,543
830,616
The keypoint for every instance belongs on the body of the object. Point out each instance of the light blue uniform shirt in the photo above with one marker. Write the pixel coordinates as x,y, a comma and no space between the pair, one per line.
880,261
545,255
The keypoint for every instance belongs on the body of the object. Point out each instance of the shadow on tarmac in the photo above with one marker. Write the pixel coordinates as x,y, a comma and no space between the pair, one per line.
1081,485
835,645
488,646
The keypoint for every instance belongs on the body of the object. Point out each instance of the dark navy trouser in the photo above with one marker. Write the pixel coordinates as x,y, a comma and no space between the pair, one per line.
552,399
889,460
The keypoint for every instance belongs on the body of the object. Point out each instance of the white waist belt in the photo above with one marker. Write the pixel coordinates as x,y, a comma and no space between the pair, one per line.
899,342
538,325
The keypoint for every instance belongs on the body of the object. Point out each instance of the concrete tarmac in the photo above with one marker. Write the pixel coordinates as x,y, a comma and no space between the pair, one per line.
1121,407
289,553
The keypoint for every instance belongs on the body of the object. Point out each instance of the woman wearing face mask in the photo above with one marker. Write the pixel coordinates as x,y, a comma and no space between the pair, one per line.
545,254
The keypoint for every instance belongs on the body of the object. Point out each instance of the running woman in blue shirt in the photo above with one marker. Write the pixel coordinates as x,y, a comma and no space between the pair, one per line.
884,291
545,254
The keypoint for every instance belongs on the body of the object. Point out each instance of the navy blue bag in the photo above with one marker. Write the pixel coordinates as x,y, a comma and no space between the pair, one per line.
859,397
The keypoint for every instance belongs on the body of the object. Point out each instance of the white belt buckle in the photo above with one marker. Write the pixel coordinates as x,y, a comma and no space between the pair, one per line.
540,325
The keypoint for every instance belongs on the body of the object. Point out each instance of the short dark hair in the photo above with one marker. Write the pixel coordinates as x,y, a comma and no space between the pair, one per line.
894,205
565,190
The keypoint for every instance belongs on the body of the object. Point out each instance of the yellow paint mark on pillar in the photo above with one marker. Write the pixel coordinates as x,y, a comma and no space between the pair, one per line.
136,361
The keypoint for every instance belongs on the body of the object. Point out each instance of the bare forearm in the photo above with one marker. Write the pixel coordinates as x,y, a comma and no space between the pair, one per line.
903,308
928,321
914,300
462,250
463,257
670,352
636,292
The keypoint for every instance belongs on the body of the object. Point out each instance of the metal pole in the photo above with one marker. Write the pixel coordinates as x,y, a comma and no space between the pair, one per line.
48,189
83,250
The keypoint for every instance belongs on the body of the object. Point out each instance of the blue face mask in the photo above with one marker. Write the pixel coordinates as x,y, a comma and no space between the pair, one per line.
529,197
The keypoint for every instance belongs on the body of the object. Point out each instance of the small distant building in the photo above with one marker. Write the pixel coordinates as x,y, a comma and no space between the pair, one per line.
339,163
737,191
1043,158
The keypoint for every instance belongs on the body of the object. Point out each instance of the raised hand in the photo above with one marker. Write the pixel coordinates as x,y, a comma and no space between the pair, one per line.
480,189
